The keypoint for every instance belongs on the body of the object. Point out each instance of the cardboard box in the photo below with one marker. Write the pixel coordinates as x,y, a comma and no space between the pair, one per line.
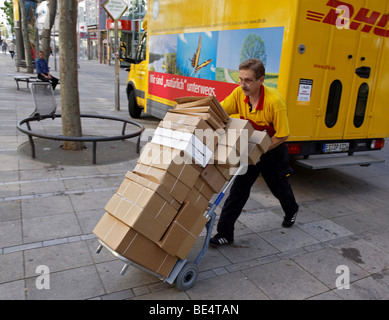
193,125
197,199
225,170
176,188
134,246
262,139
211,101
205,113
189,143
142,209
183,232
254,153
203,187
170,160
236,134
158,188
213,178
230,156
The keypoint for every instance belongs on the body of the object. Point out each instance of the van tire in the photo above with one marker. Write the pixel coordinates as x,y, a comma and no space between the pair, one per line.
133,108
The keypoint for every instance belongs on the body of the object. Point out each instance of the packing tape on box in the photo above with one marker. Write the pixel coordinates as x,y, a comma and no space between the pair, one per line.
150,183
110,230
162,263
135,205
129,245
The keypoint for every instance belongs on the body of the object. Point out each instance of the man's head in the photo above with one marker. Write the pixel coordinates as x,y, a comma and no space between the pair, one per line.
251,75
41,54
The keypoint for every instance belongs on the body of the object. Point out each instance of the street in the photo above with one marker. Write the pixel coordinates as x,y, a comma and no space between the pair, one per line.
338,248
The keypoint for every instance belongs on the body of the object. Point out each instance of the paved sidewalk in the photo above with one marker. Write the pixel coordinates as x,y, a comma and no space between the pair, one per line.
48,212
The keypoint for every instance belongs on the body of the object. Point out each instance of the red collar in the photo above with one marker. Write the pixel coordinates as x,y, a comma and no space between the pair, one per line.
261,99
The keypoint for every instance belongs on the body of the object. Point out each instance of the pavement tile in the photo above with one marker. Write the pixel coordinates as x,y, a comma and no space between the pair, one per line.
13,290
109,272
11,267
369,288
324,230
247,247
73,284
33,208
57,258
288,239
365,254
323,264
284,279
10,210
10,233
50,227
232,286
260,221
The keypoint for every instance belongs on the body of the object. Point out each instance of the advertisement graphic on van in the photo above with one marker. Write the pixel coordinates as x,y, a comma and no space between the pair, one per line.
206,63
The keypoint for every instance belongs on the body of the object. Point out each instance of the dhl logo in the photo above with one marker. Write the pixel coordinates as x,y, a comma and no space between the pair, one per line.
342,16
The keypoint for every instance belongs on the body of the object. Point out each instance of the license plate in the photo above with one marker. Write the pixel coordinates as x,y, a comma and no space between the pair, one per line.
336,147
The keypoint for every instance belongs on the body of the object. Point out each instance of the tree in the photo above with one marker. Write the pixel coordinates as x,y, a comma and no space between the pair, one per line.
9,13
26,37
253,47
70,102
46,33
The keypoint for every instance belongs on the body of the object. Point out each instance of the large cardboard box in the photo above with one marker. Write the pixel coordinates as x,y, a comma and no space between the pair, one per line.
158,188
134,246
142,209
177,189
189,143
184,231
170,160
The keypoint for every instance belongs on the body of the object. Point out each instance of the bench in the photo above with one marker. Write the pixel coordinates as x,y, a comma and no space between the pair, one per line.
27,79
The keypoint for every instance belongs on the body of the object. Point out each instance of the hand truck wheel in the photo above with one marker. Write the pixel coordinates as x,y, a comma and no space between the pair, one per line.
187,276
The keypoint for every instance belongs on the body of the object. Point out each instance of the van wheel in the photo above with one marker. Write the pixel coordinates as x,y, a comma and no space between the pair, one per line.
133,108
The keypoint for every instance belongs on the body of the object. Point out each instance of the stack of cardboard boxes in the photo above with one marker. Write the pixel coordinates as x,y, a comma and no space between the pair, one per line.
157,213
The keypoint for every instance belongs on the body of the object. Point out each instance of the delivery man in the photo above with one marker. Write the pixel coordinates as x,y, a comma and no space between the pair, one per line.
266,110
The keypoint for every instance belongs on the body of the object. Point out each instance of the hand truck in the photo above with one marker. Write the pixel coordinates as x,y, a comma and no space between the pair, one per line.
184,273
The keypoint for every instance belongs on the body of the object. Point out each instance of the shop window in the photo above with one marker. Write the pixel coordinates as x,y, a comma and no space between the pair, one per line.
333,103
360,108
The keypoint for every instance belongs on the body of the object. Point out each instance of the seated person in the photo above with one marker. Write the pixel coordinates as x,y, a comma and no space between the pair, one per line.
42,69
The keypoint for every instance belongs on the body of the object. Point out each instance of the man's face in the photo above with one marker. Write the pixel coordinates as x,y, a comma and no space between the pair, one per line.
40,55
249,83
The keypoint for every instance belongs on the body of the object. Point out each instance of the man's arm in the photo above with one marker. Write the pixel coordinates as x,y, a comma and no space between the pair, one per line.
275,142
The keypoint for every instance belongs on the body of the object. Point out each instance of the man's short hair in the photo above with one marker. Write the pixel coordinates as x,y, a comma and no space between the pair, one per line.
253,64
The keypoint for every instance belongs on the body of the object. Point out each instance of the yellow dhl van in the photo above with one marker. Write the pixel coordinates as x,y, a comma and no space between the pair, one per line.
329,59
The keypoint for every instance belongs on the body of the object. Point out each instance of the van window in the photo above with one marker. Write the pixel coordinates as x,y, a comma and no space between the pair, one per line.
360,108
141,50
333,103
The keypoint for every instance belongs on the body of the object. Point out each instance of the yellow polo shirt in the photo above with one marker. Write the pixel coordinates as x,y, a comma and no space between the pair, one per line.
268,114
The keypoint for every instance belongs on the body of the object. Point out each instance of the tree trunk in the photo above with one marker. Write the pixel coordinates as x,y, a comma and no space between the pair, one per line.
70,102
46,33
26,38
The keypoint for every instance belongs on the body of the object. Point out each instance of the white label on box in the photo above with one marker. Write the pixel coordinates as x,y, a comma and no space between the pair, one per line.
185,141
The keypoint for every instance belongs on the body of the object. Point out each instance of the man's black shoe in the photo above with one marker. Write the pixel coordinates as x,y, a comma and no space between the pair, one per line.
287,223
218,240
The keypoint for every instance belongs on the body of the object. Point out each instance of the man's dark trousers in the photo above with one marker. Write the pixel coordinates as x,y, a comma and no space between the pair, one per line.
275,169
54,81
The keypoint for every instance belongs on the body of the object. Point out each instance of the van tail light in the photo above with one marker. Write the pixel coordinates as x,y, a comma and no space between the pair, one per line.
294,148
377,144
